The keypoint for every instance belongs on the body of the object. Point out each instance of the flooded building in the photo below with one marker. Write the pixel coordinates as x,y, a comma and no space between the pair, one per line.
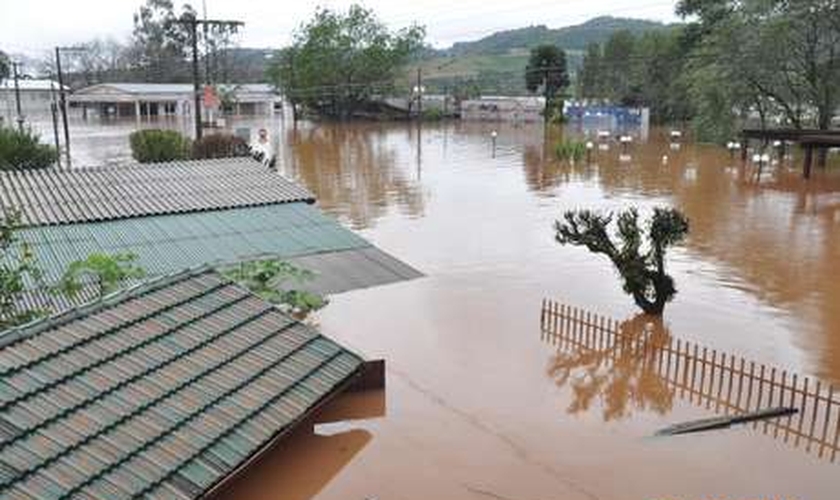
35,98
167,390
591,117
179,215
503,108
174,99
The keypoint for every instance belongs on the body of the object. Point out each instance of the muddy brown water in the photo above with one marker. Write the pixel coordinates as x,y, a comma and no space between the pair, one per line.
474,407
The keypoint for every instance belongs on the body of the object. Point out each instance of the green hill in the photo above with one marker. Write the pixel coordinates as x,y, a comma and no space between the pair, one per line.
577,37
496,63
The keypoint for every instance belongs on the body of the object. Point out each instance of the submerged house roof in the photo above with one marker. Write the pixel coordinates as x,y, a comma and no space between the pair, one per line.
296,232
160,391
105,92
184,214
49,196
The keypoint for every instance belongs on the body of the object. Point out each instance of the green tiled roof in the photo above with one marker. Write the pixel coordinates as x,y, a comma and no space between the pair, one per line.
160,391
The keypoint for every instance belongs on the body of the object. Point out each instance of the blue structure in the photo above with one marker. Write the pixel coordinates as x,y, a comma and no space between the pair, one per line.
606,116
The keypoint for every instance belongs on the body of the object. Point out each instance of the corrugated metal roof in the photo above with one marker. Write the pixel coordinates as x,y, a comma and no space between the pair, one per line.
158,392
346,270
46,197
297,232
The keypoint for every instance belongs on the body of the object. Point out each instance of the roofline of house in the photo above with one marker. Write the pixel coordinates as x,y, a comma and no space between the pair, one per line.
226,481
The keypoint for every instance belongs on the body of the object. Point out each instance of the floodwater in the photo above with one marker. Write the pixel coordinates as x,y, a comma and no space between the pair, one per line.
480,403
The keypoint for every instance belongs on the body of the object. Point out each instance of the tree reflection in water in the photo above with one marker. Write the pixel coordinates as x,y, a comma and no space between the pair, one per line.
620,372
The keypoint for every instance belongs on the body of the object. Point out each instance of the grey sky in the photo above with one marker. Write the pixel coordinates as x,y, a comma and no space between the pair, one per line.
34,26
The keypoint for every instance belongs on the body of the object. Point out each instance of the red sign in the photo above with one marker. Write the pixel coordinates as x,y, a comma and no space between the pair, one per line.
211,98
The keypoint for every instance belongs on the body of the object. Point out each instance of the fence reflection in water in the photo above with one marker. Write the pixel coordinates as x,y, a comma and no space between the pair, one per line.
638,361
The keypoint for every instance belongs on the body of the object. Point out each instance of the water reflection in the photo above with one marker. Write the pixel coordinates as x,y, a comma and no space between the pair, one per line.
352,169
637,363
307,460
776,237
621,372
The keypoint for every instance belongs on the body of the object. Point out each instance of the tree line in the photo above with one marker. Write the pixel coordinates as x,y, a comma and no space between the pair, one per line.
771,63
158,51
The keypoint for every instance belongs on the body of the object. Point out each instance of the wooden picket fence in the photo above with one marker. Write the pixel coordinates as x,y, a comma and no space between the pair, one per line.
720,382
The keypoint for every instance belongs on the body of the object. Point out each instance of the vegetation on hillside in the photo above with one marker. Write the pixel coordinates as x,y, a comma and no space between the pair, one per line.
576,37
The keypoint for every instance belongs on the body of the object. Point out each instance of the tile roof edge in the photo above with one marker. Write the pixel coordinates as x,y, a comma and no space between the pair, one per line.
27,330
216,489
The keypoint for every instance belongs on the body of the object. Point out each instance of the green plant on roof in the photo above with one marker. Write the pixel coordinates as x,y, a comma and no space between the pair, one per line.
106,272
22,150
17,265
155,145
271,280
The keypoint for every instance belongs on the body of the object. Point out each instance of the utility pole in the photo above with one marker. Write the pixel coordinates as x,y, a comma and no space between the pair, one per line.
15,66
419,93
54,113
192,24
62,104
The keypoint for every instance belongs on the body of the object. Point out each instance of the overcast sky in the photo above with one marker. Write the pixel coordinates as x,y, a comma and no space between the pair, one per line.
33,27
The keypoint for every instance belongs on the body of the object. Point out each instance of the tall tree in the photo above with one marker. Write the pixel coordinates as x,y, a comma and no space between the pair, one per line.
340,59
546,68
786,53
618,61
160,44
4,65
590,80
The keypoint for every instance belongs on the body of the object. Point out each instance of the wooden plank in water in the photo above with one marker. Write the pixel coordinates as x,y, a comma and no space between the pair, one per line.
707,424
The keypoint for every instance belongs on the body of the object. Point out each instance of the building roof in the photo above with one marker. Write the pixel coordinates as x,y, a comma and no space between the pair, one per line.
49,196
297,232
30,84
173,88
161,391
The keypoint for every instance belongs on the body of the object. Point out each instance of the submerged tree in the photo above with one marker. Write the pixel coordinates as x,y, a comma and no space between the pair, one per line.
340,60
642,269
547,69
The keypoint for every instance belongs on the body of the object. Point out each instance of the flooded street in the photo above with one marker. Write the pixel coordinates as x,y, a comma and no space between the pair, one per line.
477,405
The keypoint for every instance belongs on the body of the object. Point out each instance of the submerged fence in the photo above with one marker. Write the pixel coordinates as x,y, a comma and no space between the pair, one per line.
720,382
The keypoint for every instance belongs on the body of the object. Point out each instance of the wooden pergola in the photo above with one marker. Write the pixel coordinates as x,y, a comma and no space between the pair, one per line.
808,139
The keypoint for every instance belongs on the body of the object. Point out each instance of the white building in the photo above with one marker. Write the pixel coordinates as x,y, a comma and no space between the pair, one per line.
158,99
35,98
